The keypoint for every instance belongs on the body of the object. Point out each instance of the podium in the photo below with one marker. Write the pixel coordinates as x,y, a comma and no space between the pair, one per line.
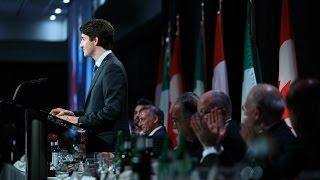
35,141
36,145
35,123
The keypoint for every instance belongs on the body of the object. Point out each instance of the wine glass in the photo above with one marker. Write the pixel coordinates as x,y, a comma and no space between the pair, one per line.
62,167
91,167
62,171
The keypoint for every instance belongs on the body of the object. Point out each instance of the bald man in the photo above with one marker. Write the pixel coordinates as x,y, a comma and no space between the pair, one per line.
222,136
263,130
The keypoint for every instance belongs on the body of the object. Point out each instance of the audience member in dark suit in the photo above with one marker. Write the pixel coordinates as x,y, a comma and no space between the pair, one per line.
135,129
216,131
303,100
105,110
266,134
151,123
182,110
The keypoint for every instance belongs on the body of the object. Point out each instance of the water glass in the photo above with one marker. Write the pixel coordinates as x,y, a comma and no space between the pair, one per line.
62,171
91,167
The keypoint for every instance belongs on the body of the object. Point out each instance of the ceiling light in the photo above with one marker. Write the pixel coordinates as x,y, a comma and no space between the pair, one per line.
58,11
66,1
53,17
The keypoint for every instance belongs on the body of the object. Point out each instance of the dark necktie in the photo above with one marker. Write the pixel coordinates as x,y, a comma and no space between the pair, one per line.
94,70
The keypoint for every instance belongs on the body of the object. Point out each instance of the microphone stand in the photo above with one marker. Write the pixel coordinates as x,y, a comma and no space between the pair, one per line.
18,89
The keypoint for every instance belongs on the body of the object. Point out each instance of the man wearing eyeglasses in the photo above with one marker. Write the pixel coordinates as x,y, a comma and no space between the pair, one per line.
217,132
264,131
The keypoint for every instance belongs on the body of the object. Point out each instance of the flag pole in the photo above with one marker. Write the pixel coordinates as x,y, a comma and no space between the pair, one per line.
202,29
178,25
168,39
169,29
202,11
220,6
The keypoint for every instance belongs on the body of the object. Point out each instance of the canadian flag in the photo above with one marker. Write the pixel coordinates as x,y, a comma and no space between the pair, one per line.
287,56
220,76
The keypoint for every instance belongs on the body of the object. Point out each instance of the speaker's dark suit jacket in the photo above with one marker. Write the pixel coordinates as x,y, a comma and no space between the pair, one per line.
106,106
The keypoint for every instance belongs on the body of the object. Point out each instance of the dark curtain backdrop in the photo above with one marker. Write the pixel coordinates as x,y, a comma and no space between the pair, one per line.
140,49
139,52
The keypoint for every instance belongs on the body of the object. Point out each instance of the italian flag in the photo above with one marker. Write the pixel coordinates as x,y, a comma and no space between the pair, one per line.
164,97
251,66
200,60
287,56
220,76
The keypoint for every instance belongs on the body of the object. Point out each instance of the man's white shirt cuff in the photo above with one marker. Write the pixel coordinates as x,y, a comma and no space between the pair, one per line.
211,150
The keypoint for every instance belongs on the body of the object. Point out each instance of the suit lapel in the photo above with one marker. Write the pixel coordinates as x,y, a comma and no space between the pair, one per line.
94,80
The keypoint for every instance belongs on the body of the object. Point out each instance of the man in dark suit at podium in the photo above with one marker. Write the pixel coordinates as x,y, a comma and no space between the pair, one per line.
106,106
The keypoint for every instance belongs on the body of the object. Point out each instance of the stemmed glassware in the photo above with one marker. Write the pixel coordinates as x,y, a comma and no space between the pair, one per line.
64,159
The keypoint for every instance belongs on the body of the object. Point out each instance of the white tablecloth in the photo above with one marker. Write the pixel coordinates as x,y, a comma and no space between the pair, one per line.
9,172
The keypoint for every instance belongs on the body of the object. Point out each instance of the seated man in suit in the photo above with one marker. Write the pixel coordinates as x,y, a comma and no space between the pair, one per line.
303,100
218,133
182,111
263,130
151,123
135,129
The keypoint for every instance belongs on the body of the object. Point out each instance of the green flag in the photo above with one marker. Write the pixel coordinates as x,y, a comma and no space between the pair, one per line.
251,65
164,97
200,58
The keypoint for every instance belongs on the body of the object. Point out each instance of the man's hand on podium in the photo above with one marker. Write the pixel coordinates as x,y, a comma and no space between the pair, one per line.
71,119
65,115
61,112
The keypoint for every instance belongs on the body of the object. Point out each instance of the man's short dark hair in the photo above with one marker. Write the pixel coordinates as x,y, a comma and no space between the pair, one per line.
303,100
102,29
188,102
155,112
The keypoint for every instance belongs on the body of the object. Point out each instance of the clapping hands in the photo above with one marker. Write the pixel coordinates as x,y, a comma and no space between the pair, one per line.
210,128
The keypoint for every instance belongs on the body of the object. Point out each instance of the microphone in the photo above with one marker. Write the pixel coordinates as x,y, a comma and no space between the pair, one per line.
34,81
